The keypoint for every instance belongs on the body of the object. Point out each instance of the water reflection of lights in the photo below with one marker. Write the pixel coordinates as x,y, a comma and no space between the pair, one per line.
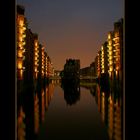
43,106
103,105
110,117
99,102
47,98
21,125
113,110
36,114
117,122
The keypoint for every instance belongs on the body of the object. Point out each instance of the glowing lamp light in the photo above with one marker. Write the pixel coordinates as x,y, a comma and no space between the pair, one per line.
111,69
21,31
19,64
24,35
36,44
24,43
20,53
35,69
24,28
21,22
21,74
20,38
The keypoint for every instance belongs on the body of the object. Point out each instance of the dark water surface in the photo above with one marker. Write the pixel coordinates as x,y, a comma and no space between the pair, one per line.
74,114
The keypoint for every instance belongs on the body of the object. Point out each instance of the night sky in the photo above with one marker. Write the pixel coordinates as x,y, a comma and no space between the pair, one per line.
72,28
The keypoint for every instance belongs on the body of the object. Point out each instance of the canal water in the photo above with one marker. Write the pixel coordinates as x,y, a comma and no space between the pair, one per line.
70,113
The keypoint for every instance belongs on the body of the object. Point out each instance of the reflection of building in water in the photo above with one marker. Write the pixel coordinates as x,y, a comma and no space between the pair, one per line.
98,98
21,125
48,95
43,106
41,98
56,82
110,117
103,106
117,122
71,93
51,91
109,104
36,113
47,99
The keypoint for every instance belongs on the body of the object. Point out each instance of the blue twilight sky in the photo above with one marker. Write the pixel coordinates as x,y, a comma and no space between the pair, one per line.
72,28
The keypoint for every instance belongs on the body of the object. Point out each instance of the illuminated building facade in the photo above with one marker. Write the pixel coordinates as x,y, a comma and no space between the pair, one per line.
96,66
110,57
104,58
40,61
118,48
43,62
29,53
36,56
31,67
48,66
99,64
21,35
45,65
110,53
31,57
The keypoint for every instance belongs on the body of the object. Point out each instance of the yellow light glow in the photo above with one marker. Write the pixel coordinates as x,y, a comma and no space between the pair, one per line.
110,62
116,44
21,73
36,49
117,67
21,22
109,73
109,36
109,42
20,30
36,43
35,62
111,68
110,52
20,53
19,64
24,28
116,72
35,69
35,58
24,35
36,53
20,38
24,43
102,48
